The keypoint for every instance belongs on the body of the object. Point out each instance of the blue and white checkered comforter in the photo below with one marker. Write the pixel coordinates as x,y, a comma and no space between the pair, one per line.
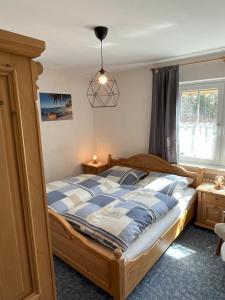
66,194
116,218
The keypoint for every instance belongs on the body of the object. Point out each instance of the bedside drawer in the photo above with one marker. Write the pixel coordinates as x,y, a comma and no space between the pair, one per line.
210,209
87,169
210,215
213,199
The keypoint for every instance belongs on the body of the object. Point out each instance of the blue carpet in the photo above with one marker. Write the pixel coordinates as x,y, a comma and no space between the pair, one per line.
188,270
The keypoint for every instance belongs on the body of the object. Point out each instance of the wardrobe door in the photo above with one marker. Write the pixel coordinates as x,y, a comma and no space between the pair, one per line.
25,270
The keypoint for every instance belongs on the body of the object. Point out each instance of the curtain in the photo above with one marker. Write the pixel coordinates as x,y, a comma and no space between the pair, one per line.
163,118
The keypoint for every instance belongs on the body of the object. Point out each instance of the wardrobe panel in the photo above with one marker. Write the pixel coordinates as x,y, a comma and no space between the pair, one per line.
26,267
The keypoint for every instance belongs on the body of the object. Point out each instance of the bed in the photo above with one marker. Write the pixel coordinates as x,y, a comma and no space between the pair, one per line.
115,271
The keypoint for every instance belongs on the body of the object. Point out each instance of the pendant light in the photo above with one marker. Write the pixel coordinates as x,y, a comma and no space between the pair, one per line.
103,90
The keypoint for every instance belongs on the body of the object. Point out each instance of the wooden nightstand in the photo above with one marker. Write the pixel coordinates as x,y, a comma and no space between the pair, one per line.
90,168
211,204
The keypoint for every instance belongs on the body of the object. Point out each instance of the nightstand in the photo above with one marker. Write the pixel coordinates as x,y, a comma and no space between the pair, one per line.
211,204
91,168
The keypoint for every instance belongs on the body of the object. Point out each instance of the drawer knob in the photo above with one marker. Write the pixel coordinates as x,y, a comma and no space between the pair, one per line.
1,102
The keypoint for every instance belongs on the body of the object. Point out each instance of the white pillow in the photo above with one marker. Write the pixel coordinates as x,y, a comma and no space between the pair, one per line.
164,183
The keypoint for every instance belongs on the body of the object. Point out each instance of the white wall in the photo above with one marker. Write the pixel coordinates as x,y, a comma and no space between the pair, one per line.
124,130
207,70
66,144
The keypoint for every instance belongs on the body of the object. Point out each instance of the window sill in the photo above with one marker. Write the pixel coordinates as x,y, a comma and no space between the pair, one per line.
203,166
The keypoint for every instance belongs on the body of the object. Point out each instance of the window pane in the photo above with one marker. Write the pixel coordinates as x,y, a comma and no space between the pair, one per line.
198,129
208,106
189,103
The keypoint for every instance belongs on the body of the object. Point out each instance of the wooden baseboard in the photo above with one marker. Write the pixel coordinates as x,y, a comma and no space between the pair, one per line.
203,225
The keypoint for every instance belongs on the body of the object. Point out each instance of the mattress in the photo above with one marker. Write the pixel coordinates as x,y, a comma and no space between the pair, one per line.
156,230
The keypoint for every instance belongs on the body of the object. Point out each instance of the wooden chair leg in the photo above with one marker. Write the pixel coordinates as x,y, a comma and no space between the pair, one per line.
218,247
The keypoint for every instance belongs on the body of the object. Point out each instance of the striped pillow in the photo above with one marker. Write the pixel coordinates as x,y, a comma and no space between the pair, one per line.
165,183
124,175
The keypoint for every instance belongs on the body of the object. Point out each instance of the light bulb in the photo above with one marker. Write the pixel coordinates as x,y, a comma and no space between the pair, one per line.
95,159
102,79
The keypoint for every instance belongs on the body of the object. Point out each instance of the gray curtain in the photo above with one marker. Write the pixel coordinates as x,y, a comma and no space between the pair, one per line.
163,119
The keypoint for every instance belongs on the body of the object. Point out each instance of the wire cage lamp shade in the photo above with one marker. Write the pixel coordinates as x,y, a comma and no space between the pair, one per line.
103,94
103,90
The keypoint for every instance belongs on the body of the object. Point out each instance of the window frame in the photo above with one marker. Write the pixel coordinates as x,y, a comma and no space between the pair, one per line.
220,141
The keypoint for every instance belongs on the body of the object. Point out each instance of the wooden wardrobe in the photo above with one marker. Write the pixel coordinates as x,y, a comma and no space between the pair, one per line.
26,270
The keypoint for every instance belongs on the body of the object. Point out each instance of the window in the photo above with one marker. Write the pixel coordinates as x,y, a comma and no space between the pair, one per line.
200,123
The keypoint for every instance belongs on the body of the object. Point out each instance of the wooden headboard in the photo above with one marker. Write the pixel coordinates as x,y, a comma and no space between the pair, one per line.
150,162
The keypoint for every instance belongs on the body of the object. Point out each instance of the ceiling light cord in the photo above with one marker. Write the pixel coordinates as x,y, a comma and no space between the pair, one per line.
101,57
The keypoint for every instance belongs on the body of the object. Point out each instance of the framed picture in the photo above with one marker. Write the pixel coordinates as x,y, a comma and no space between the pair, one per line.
56,107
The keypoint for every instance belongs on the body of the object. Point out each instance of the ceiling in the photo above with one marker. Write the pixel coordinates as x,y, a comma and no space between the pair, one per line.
140,31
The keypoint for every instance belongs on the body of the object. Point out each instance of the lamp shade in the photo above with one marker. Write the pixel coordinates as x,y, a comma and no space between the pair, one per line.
219,181
103,90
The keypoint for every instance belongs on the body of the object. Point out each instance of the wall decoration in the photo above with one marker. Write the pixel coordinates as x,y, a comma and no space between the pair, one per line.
56,107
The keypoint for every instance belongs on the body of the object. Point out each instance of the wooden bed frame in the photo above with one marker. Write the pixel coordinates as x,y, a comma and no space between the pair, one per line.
106,268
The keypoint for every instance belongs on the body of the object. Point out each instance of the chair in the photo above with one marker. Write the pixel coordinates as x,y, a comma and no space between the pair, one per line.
219,229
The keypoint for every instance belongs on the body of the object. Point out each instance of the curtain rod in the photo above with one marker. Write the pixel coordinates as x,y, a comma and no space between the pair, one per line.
197,61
